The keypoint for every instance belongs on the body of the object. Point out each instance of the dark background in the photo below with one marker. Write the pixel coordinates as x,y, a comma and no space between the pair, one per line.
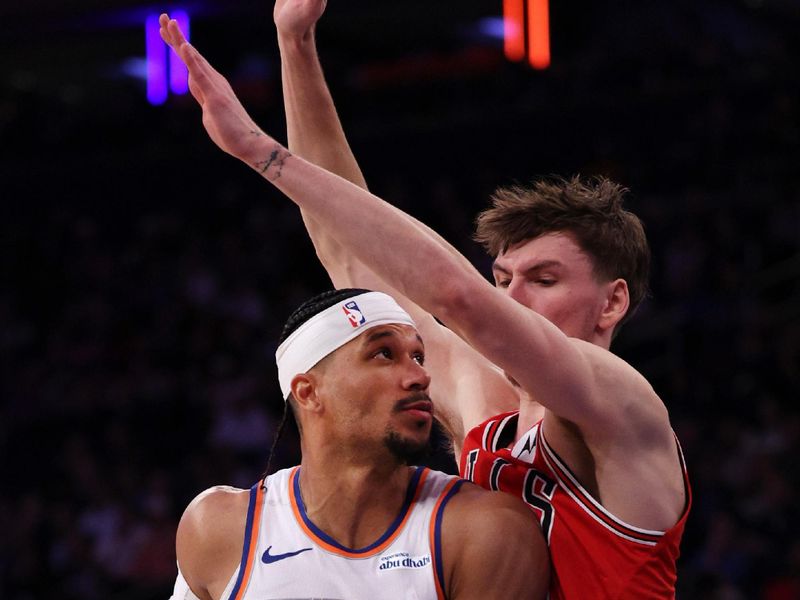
146,275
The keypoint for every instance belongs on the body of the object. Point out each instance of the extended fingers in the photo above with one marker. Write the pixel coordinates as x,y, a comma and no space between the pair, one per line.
176,33
167,34
205,82
171,33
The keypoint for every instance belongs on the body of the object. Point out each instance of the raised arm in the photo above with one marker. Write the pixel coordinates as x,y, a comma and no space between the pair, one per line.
315,132
314,129
577,381
313,126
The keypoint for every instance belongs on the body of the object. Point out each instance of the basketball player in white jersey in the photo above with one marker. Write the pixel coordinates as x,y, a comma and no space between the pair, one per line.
353,520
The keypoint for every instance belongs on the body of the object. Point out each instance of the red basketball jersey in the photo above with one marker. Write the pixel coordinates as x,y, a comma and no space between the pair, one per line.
594,555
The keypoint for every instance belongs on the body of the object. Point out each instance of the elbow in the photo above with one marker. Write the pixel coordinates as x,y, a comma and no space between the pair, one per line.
341,267
454,301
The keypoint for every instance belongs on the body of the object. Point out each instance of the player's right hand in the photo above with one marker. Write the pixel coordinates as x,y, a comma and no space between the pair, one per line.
296,18
225,119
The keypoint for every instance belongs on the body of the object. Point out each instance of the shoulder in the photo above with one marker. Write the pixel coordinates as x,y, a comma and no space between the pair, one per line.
214,512
489,537
209,537
476,511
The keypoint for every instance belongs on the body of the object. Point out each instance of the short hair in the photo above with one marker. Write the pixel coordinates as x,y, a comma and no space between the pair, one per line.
589,209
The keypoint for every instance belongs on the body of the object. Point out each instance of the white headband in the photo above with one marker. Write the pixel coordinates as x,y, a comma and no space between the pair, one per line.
331,329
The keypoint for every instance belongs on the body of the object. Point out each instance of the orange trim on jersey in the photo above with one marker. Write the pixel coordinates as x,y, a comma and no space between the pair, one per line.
340,551
253,541
432,535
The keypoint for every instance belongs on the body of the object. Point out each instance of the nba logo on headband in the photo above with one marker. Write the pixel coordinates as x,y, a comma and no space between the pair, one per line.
354,314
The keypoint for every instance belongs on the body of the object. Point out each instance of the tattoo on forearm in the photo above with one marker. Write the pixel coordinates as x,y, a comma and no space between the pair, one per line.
273,165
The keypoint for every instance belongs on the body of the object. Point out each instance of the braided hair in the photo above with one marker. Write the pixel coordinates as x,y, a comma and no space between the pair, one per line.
316,305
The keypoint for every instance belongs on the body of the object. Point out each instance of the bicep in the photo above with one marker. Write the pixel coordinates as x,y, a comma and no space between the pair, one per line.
557,371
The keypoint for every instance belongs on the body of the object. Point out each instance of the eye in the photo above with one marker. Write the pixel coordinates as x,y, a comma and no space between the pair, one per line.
383,353
546,281
502,283
419,358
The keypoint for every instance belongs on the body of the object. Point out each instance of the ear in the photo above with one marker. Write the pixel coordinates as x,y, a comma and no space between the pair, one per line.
304,390
616,304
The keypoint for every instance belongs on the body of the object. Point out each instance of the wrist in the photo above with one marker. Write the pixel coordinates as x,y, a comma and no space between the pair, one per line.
266,156
255,146
291,44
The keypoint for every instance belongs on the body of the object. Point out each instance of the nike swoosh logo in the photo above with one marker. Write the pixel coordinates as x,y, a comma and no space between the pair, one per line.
268,558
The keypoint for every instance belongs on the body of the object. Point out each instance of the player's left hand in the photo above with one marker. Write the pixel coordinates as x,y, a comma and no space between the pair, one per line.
224,117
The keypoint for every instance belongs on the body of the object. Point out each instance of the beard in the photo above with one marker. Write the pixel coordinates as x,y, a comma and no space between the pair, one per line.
407,450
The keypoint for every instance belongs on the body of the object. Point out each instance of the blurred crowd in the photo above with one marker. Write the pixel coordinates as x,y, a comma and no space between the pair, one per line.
145,280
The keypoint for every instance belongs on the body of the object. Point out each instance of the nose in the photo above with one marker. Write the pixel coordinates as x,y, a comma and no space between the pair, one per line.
416,376
516,290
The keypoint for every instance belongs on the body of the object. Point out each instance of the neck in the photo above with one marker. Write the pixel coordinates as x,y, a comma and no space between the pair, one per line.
602,338
530,412
353,502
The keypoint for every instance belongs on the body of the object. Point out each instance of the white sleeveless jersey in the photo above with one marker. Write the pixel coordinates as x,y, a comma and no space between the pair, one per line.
286,556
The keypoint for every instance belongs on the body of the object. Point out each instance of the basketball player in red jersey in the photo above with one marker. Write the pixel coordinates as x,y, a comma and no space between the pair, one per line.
589,446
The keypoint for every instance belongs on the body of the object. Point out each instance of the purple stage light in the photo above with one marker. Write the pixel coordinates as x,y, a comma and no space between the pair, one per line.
156,62
178,74
165,71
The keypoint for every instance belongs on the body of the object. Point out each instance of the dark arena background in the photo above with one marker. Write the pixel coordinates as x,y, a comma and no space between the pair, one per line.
146,275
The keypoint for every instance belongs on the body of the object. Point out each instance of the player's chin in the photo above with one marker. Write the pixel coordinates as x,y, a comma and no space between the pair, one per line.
410,444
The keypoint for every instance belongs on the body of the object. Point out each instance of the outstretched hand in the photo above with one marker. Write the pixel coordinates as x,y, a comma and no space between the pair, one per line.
224,117
297,18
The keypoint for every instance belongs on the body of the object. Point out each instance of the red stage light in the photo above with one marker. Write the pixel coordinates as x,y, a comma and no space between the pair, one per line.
514,29
538,34
526,31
